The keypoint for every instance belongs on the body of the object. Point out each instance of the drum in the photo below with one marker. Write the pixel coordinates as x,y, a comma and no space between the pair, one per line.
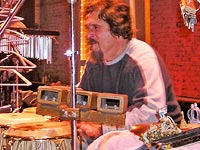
39,136
8,119
30,110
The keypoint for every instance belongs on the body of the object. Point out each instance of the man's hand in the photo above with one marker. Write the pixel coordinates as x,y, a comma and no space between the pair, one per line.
89,129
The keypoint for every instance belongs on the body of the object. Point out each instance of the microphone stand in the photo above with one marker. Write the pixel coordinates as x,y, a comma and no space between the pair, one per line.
73,88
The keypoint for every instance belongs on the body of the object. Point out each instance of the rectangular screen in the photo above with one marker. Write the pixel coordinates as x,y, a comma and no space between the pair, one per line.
84,99
49,95
81,99
54,95
112,103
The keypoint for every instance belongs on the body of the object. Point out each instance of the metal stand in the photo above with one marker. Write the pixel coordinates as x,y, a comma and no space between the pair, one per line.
72,53
11,15
10,9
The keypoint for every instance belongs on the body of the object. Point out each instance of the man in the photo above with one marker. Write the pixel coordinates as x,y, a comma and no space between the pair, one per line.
119,63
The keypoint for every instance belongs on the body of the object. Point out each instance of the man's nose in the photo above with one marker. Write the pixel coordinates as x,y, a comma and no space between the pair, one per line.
90,34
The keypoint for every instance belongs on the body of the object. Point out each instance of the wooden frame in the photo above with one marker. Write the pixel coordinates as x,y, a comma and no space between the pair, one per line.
140,13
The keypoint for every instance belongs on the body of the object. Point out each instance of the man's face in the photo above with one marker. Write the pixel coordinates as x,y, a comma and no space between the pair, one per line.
99,35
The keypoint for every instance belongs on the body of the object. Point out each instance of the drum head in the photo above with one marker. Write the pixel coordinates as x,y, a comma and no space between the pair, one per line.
39,130
7,119
30,110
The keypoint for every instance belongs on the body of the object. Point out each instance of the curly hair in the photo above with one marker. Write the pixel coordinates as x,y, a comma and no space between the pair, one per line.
115,13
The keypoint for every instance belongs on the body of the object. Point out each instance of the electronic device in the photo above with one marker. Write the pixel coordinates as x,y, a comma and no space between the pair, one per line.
112,103
84,99
51,99
103,108
111,110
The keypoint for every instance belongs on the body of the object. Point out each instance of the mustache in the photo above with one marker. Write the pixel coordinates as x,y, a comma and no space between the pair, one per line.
92,41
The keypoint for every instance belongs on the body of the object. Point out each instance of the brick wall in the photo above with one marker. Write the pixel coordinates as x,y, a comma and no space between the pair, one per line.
55,15
179,46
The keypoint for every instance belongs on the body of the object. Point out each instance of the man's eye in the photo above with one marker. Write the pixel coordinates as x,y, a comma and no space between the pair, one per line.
92,28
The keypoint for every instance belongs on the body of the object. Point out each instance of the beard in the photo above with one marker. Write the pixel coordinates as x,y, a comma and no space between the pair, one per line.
95,56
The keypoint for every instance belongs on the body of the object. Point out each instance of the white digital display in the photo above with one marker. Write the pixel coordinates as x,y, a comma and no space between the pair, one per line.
81,99
49,95
110,103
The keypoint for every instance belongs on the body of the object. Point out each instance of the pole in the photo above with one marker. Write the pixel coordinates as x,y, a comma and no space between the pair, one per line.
73,89
13,12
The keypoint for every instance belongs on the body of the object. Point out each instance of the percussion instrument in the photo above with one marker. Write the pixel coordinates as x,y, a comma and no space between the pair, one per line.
30,110
39,135
8,119
31,43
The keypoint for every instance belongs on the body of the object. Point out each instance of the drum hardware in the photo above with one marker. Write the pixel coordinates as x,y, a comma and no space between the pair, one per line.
26,64
28,46
69,114
11,15
26,82
2,93
22,37
15,71
3,14
93,116
6,109
73,73
14,95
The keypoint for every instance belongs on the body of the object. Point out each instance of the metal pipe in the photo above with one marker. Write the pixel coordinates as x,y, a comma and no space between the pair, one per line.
27,82
73,86
12,13
25,61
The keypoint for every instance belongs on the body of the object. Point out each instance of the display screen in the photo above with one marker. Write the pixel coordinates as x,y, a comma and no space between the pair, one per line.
110,104
81,99
49,95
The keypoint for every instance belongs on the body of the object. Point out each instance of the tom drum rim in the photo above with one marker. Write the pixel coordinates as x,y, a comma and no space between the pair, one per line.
8,119
39,130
